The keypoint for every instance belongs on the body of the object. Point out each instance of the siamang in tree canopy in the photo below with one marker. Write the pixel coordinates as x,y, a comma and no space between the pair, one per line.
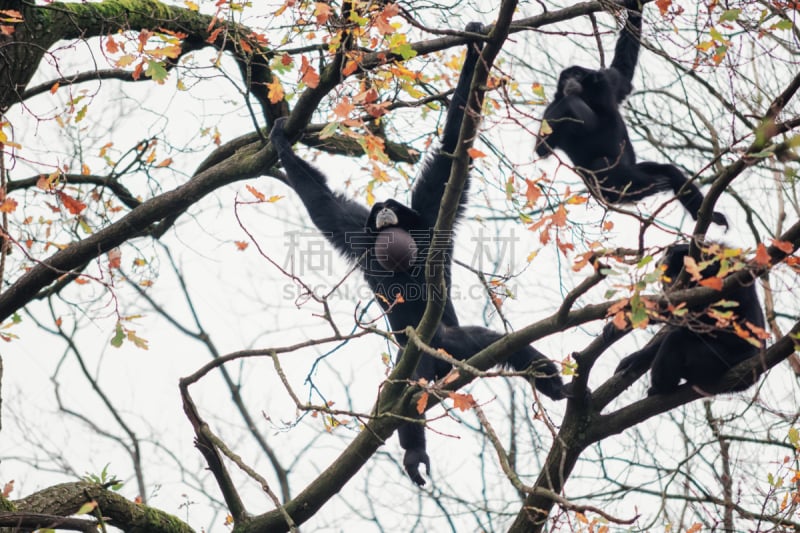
702,344
584,121
391,242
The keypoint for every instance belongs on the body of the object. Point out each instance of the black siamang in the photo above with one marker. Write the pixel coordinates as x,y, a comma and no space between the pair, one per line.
698,350
398,279
586,124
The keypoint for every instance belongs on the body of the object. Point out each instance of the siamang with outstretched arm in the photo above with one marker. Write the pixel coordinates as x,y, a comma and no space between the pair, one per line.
390,244
698,349
587,125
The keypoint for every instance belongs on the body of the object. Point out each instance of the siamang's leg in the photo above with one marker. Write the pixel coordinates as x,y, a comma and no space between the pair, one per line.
714,356
465,341
412,435
687,192
670,364
640,361
619,183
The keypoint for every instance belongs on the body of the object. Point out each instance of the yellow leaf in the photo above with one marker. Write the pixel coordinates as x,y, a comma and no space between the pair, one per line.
87,507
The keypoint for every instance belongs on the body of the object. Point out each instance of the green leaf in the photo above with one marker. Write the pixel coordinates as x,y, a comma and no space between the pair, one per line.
81,114
794,437
784,24
87,507
329,130
405,51
156,71
730,15
119,336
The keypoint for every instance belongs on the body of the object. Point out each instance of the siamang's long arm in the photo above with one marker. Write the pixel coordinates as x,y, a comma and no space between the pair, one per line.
429,186
340,219
626,52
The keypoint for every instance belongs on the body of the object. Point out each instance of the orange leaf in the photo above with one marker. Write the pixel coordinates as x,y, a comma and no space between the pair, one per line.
784,246
241,245
560,217
7,488
343,108
111,45
9,205
322,11
255,192
422,403
762,256
713,283
462,401
308,74
619,321
695,528
474,153
54,88
663,6
214,34
349,67
114,258
275,91
165,163
691,267
608,225
73,206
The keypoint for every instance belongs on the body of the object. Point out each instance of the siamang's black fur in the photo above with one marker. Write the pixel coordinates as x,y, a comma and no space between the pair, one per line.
586,124
697,350
352,229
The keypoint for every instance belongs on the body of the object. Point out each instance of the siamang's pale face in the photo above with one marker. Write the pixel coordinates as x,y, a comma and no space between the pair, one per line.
392,213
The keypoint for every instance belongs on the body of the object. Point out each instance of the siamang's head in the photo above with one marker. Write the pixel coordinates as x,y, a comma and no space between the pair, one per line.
590,85
392,213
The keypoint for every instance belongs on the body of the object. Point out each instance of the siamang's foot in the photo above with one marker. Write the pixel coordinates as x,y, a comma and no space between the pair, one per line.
628,364
719,219
411,461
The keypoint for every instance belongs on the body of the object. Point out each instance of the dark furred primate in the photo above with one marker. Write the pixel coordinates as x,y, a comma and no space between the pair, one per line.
587,125
698,350
354,230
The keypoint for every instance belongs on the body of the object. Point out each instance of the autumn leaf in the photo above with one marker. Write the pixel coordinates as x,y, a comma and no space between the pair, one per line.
9,205
255,192
474,153
343,108
422,403
241,245
73,206
275,91
762,256
137,341
663,6
111,45
114,258
691,267
54,88
784,246
308,75
87,507
713,283
322,12
462,401
8,488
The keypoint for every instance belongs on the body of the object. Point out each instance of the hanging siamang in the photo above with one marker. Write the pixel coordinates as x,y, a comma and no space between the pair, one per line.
391,243
586,124
699,349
